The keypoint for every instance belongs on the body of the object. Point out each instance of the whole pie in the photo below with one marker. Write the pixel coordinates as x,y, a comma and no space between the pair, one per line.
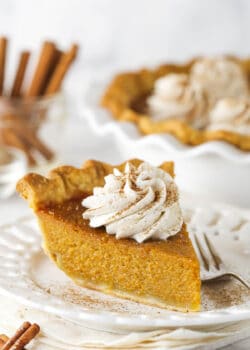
90,217
180,100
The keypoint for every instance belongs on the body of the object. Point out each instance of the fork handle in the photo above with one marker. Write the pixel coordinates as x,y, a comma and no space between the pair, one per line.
239,278
228,274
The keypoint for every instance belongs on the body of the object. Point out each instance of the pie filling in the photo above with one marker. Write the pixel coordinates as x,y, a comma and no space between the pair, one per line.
159,273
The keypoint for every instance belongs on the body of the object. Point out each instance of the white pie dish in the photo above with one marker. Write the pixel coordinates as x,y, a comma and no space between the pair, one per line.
215,168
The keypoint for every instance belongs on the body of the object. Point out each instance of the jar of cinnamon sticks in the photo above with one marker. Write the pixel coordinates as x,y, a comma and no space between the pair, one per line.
30,108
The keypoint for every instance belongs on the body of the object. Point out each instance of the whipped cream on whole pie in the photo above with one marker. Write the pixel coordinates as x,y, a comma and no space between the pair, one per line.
231,114
139,203
220,77
176,96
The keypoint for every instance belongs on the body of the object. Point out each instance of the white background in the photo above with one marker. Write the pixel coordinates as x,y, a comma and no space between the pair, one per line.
128,33
116,34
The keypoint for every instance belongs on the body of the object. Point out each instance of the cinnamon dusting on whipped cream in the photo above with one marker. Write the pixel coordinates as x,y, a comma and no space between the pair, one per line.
140,203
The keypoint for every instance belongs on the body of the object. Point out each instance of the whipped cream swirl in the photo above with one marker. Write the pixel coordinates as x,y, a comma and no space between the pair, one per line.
231,114
141,203
176,96
220,77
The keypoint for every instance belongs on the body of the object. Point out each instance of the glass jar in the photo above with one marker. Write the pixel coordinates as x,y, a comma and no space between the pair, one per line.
33,126
31,133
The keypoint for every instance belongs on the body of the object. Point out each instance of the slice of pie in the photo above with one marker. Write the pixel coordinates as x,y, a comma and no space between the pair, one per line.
163,273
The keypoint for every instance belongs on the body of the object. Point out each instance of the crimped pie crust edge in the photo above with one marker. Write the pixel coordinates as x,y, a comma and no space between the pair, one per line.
67,182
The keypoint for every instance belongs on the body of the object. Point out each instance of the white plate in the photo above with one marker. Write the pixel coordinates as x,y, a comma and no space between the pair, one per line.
195,166
27,275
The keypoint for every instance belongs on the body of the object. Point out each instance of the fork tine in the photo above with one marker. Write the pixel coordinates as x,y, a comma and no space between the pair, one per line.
201,252
216,258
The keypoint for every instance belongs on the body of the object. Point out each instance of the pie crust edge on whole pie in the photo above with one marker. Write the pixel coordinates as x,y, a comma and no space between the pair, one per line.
127,90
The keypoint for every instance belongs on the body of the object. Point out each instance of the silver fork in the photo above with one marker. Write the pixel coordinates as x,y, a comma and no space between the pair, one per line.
212,266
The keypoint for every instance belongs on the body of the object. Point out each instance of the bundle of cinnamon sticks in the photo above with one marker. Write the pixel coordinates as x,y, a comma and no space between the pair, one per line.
17,105
21,338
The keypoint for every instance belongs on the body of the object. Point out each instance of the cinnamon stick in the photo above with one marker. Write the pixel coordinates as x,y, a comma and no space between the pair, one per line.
24,327
54,62
61,69
25,338
22,337
3,51
3,339
21,69
44,63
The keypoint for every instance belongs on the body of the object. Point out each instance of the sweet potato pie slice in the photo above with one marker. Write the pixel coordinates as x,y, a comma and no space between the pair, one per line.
159,273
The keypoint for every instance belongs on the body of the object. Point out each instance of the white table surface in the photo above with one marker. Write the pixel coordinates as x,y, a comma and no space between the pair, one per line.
86,146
